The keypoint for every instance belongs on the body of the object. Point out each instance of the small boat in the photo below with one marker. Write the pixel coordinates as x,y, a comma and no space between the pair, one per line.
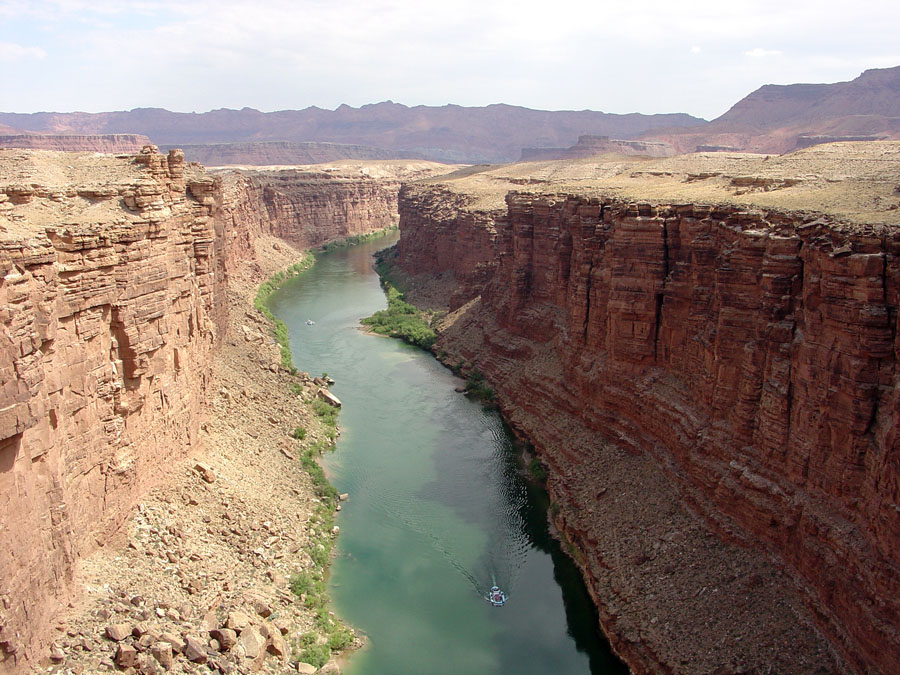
496,597
310,322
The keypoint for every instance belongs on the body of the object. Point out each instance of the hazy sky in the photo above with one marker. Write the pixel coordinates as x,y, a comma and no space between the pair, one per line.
648,56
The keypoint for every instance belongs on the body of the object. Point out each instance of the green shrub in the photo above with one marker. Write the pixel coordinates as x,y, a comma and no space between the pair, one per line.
304,582
402,320
340,638
477,387
299,433
324,489
320,553
355,239
537,471
265,290
296,388
326,412
316,655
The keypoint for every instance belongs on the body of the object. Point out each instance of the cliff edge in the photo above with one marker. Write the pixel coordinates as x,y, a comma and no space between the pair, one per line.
723,346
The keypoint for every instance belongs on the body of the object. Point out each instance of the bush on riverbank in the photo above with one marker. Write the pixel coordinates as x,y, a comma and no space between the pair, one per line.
263,293
477,387
402,320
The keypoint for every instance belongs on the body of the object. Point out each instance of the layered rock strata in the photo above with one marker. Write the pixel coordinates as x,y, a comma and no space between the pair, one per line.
749,358
327,206
119,143
590,146
113,303
108,324
441,235
269,153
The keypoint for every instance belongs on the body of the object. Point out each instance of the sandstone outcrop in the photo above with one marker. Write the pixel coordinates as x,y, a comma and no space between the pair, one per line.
442,236
329,206
117,143
747,355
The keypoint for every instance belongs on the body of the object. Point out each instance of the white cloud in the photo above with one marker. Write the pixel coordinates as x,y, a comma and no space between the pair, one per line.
760,53
643,55
10,51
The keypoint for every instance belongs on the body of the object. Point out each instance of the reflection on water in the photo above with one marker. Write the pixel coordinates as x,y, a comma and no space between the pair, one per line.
438,509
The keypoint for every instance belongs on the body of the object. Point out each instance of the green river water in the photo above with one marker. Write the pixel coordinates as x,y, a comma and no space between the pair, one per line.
438,507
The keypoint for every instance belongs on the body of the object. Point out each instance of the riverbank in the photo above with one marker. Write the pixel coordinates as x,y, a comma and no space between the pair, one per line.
205,563
437,508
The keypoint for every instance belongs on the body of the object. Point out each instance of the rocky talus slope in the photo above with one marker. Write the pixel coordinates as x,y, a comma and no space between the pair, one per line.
730,358
128,348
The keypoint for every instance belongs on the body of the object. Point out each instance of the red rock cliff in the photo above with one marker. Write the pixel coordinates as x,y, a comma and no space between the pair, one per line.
307,208
112,299
441,235
107,326
751,354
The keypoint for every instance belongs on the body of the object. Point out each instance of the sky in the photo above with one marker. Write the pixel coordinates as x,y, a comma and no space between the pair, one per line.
619,56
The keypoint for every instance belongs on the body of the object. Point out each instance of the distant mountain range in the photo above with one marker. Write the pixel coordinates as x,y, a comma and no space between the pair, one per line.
494,133
774,118
781,118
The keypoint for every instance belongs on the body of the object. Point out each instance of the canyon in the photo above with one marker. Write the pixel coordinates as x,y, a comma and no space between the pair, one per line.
694,337
701,350
117,271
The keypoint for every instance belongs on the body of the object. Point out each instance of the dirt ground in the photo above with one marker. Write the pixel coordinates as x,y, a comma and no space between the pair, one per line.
854,181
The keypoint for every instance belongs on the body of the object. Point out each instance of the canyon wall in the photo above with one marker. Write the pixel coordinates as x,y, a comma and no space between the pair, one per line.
441,235
307,209
591,146
113,300
750,354
118,143
106,337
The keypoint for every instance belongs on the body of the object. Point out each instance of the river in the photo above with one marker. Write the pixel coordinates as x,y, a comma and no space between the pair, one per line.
438,506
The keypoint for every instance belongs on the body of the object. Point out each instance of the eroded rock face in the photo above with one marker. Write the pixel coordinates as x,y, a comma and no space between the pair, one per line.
441,235
107,328
307,209
113,300
752,355
121,143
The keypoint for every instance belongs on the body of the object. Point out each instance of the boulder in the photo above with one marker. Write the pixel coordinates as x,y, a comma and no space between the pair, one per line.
329,398
195,650
237,621
162,652
252,642
126,656
226,637
118,631
205,471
